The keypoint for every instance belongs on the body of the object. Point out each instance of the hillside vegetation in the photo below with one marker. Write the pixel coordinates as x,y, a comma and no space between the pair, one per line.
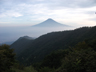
21,44
80,58
66,51
45,44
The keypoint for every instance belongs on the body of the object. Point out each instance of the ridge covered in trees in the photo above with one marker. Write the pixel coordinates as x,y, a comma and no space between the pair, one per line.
66,51
80,58
53,41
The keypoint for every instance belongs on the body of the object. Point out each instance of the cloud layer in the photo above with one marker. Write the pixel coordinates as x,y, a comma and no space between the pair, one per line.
35,11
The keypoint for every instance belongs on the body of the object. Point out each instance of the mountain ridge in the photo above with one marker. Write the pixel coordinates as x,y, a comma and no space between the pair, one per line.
45,44
21,44
26,37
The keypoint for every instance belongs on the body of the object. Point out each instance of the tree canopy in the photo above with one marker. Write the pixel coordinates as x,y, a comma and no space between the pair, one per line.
7,58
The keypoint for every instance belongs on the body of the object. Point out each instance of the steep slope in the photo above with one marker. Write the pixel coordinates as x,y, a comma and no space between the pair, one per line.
50,23
47,43
21,44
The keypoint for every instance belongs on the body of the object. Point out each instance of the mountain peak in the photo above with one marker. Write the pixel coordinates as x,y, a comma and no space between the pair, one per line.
26,37
50,23
49,19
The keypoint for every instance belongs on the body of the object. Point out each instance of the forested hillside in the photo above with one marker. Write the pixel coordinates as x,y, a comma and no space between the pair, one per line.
21,44
80,58
47,43
53,53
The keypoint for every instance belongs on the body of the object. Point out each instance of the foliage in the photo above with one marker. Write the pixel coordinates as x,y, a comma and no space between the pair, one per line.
26,69
82,58
53,60
7,58
46,69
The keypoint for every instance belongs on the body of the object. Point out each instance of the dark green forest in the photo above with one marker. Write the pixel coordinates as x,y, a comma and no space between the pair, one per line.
35,50
7,58
66,51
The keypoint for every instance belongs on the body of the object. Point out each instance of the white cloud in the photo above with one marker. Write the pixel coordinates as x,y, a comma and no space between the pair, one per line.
65,11
10,13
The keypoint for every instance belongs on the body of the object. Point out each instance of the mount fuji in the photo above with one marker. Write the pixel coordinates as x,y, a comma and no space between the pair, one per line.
50,23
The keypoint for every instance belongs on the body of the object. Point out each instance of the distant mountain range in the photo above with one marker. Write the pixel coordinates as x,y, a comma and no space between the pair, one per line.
11,42
31,51
50,23
8,43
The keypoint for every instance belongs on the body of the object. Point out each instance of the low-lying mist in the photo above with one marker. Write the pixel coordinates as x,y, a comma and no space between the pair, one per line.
8,34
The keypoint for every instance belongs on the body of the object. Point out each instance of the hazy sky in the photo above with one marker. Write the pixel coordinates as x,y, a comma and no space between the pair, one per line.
30,12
